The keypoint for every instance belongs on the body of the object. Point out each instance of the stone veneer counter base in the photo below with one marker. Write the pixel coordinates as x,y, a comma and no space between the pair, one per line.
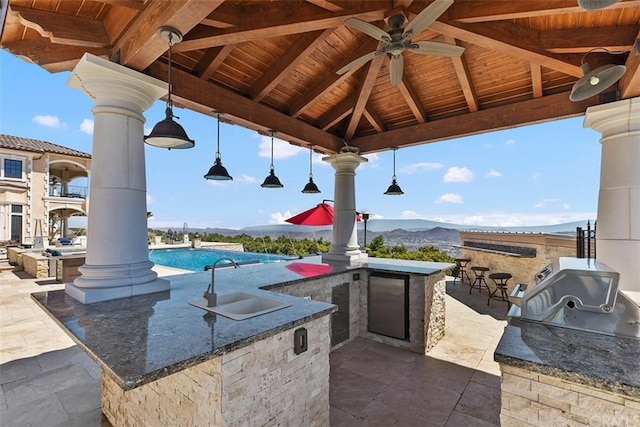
560,376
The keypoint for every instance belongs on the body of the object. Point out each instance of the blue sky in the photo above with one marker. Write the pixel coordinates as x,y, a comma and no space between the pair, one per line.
535,175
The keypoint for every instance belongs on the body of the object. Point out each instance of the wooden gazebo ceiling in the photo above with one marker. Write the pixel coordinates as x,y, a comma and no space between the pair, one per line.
272,64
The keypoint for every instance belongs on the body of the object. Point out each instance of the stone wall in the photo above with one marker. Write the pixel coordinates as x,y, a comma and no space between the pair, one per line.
320,290
548,248
426,302
533,399
35,265
265,383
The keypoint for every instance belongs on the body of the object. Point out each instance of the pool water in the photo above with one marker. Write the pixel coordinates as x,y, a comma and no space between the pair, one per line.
196,259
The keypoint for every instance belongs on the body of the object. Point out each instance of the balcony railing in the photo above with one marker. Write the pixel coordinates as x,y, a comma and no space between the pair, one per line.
72,191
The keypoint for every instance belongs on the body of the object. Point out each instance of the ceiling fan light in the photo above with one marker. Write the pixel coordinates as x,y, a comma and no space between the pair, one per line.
596,81
595,4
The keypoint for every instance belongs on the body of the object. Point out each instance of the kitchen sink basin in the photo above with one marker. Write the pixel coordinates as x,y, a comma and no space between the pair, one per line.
241,306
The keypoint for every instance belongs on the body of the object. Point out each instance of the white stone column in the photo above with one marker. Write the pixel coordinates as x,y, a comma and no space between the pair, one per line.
618,227
117,260
344,247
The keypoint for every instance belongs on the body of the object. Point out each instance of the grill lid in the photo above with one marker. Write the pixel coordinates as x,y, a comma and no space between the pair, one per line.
578,293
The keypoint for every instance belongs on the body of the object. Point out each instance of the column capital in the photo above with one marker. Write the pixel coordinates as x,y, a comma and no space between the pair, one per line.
614,118
111,84
345,162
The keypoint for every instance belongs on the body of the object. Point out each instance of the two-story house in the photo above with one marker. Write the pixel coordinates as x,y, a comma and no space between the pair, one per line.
41,186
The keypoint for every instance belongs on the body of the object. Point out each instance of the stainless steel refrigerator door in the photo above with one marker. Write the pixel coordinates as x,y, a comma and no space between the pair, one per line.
388,306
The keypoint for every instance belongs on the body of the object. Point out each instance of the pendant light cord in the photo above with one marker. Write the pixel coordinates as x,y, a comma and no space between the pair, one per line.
218,149
394,163
311,162
169,103
272,168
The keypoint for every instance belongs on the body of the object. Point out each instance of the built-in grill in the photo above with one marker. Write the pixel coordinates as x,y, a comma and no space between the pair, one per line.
578,293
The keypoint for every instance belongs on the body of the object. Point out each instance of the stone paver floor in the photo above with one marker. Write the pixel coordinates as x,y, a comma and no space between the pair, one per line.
46,380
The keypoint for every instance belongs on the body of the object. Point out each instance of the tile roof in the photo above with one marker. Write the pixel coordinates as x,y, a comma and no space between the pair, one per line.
37,146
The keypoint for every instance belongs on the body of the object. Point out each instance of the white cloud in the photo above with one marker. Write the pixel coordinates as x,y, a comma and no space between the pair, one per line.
411,215
374,160
279,217
87,126
458,174
539,205
281,149
510,142
449,198
515,219
150,199
566,206
249,179
420,167
493,174
536,176
48,121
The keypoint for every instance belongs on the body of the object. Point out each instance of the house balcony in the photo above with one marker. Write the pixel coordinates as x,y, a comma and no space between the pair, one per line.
74,197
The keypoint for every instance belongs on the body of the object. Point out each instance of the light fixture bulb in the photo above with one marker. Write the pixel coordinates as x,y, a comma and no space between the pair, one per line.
594,80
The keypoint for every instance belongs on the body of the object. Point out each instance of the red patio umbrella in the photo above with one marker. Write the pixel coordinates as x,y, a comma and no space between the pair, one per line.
322,214
306,269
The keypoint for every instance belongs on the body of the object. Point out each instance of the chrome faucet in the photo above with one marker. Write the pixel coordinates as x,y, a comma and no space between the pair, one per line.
210,294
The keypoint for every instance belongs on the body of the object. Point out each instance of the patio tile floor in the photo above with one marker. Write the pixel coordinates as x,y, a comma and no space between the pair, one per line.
46,380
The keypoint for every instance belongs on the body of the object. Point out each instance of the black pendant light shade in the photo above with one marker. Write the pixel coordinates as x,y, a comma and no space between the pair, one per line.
272,181
595,81
168,133
217,171
311,187
394,189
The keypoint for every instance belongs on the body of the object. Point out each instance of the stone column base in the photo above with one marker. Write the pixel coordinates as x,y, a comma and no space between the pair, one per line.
91,295
355,259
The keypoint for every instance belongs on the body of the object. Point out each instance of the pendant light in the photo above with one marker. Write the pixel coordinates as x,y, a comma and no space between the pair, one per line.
394,189
168,133
595,81
272,181
311,187
217,171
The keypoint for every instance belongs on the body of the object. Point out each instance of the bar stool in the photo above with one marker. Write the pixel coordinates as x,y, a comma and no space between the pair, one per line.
462,263
480,281
500,279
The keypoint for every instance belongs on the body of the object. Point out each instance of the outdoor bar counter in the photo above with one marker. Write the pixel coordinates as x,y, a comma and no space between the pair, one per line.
559,376
165,361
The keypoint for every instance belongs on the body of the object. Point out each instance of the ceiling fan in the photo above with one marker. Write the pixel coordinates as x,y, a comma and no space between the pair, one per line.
397,40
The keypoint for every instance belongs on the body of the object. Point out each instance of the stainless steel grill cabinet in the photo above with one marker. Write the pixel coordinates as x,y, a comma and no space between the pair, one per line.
578,293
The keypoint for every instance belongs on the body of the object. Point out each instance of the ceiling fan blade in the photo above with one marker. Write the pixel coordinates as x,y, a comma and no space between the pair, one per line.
436,49
369,29
428,15
358,62
396,68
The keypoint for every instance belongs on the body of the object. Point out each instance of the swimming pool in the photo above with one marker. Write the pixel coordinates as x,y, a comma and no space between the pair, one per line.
196,259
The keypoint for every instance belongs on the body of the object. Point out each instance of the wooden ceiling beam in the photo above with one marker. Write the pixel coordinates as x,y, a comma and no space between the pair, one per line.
411,98
464,77
212,59
580,40
297,53
476,11
512,40
528,112
630,83
130,4
63,29
141,44
326,4
363,93
331,80
374,119
336,114
276,23
204,97
52,57
536,80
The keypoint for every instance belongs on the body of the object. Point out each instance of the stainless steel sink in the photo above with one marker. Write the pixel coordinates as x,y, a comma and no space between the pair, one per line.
241,306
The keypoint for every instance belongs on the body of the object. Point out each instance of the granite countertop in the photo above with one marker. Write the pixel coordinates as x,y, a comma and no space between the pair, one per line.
593,359
143,338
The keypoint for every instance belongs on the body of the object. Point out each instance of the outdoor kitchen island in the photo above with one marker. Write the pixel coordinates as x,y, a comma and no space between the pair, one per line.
166,362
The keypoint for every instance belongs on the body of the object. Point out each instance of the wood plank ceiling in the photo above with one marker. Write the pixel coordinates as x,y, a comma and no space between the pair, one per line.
271,65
